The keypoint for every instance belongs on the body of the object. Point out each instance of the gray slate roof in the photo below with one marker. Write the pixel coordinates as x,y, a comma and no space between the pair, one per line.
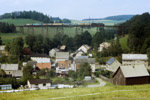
110,61
10,67
134,71
62,55
88,60
134,57
17,73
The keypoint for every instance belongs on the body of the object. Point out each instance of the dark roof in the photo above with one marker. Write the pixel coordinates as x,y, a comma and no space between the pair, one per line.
38,81
39,55
110,61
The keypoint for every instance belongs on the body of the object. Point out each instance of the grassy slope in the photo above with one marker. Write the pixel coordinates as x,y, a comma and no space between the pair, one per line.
20,21
51,31
105,93
7,37
123,42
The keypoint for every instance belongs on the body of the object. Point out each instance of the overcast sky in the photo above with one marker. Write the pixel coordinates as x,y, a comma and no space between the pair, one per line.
77,9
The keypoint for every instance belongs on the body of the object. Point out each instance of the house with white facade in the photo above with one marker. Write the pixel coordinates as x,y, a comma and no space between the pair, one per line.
112,64
39,83
63,67
52,53
103,45
84,59
84,48
62,56
134,59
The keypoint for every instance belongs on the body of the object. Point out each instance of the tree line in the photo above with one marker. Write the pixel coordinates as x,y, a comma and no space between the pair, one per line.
33,15
7,28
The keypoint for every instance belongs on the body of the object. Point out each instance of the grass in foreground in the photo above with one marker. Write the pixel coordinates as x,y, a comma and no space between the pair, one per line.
103,93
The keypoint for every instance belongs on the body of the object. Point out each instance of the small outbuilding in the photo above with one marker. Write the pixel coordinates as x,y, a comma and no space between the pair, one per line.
131,75
39,83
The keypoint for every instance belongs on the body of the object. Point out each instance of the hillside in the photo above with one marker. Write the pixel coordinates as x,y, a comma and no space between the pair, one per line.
19,21
116,18
106,22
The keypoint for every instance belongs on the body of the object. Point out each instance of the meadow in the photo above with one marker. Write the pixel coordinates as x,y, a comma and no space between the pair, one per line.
108,92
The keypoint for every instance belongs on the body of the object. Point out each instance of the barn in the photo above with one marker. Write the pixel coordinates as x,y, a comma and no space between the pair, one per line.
131,75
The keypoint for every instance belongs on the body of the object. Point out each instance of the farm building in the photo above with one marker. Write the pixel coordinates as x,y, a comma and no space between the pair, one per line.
131,75
112,64
62,56
39,83
134,59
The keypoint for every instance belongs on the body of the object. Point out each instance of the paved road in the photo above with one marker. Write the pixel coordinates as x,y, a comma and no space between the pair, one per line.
101,83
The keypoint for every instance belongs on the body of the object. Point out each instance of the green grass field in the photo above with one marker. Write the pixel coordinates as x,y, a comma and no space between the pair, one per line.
7,37
124,41
20,21
110,92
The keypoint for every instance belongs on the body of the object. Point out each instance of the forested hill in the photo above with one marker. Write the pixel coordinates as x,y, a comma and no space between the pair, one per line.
34,15
119,17
139,33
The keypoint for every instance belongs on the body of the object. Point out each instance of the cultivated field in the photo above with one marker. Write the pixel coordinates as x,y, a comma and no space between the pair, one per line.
108,92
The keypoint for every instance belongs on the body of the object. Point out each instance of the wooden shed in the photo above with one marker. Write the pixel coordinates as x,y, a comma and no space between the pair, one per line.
131,75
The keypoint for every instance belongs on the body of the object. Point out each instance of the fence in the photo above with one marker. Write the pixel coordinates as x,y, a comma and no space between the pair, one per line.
105,78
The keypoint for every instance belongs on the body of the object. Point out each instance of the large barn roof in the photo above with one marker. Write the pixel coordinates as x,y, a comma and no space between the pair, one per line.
134,71
134,57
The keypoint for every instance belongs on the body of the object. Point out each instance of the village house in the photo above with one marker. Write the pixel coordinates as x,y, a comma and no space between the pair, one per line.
17,74
39,83
131,75
62,56
52,53
2,50
84,48
43,65
134,59
9,68
84,59
112,64
40,58
63,48
103,45
63,67
78,53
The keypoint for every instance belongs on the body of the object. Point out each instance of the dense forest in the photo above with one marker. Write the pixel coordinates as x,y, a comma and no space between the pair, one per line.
139,33
33,15
7,28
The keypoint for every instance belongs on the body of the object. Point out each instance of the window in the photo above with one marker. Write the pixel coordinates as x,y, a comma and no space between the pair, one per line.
44,84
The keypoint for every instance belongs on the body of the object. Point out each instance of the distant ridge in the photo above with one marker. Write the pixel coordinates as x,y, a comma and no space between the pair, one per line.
118,17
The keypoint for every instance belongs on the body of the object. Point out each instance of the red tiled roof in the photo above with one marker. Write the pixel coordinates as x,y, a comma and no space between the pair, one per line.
43,65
